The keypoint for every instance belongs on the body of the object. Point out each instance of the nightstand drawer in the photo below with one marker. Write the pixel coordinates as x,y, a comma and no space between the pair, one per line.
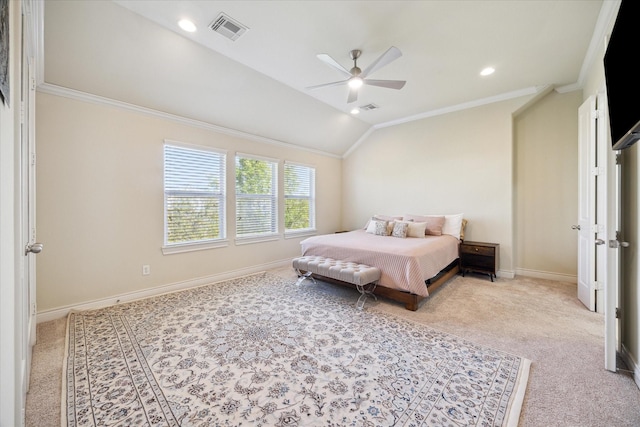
479,250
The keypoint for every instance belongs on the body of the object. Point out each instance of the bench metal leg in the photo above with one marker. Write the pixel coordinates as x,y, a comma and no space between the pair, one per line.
302,276
365,291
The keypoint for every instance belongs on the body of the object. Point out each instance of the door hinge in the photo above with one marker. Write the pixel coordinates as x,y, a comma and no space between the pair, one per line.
597,171
34,309
33,159
618,313
598,286
618,159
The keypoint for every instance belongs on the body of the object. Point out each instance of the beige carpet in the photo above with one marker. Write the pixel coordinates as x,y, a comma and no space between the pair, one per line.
537,319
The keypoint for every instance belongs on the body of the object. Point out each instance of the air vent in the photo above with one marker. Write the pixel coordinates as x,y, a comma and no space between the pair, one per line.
369,107
228,27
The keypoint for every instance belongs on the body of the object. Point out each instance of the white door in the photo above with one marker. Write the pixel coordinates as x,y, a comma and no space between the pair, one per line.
612,332
587,203
27,292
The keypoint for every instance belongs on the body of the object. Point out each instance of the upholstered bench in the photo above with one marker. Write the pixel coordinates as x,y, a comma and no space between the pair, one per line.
364,277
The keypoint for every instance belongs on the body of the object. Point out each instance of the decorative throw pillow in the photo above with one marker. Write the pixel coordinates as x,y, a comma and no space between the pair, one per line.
416,229
382,228
434,223
464,225
400,229
390,227
378,217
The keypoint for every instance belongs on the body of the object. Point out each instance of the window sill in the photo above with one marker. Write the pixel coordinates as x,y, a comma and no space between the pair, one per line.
191,247
301,233
257,239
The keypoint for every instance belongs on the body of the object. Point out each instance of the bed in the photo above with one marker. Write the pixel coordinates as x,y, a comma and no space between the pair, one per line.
411,266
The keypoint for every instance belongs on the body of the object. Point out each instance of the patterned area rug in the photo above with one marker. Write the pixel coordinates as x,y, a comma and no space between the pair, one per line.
262,351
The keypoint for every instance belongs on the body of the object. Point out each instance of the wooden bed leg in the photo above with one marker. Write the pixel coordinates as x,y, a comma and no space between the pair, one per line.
411,305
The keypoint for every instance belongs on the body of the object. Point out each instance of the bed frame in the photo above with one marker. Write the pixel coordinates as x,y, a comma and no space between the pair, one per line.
410,301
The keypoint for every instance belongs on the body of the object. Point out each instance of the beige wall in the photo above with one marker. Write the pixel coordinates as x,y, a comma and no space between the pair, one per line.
511,177
454,163
100,203
546,183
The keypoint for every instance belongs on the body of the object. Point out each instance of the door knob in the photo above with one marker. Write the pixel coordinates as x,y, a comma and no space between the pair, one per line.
615,244
600,242
36,248
575,227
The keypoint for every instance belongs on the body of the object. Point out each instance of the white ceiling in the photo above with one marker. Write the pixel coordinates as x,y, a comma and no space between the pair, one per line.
134,52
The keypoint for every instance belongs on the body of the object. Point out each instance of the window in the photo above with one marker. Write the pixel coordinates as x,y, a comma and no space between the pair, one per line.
256,196
194,195
299,197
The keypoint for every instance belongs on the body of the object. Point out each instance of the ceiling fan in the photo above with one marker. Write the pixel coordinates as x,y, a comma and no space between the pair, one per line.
356,77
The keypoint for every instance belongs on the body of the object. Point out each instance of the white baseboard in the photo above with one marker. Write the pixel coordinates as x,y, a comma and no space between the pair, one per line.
507,274
631,363
560,277
59,312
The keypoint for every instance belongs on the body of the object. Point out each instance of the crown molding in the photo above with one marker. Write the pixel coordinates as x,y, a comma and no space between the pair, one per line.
77,95
464,106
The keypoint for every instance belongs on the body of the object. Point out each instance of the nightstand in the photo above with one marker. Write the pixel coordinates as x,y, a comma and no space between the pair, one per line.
480,257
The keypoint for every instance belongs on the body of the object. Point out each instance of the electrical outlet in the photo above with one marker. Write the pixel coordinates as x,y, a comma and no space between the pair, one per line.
146,270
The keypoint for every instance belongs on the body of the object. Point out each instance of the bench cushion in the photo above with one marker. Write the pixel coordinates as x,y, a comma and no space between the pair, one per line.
345,271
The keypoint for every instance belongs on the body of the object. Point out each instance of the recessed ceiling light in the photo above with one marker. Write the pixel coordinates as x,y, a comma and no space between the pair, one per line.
355,111
187,25
487,71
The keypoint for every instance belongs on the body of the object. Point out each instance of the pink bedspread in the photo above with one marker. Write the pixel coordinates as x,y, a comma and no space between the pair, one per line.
405,264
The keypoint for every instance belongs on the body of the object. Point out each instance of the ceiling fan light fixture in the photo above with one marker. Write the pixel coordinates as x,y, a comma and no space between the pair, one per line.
356,77
355,82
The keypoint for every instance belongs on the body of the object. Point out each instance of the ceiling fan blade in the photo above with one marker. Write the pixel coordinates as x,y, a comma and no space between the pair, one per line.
341,82
333,64
391,84
390,55
353,95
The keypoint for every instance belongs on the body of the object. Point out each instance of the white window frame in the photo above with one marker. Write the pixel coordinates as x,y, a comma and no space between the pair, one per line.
311,197
272,234
195,245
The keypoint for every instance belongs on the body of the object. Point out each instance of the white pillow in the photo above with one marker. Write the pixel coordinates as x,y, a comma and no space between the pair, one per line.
452,225
371,227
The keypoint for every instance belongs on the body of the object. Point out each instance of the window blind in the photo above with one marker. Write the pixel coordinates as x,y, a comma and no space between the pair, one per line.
256,197
299,197
194,190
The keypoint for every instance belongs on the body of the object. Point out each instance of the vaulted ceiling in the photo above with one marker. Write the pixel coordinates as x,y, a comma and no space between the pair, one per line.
134,52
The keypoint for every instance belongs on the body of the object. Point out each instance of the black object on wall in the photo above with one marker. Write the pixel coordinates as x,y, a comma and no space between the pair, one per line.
622,76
